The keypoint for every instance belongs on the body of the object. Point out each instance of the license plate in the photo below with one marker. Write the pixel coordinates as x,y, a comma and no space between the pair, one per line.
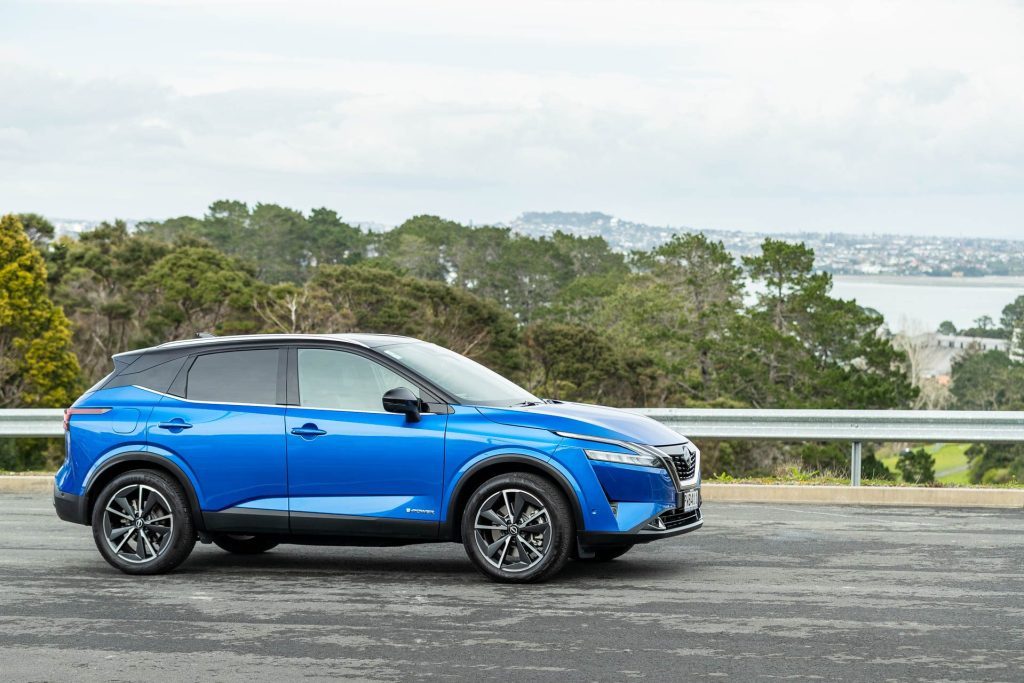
691,499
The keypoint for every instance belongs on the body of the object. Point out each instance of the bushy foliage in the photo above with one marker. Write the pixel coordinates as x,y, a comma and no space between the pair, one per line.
564,315
916,466
37,365
991,381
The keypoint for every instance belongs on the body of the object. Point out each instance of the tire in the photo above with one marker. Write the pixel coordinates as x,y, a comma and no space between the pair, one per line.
244,544
155,542
607,554
499,549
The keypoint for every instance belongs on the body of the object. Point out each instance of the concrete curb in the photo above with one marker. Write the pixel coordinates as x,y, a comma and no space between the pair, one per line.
28,483
864,495
753,493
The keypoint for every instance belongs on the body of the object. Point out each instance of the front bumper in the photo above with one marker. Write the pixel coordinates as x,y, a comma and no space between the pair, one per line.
679,523
70,508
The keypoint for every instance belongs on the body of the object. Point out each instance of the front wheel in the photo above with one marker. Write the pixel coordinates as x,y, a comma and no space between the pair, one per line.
244,544
518,528
142,523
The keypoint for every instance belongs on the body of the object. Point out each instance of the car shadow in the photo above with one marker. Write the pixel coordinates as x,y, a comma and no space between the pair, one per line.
292,561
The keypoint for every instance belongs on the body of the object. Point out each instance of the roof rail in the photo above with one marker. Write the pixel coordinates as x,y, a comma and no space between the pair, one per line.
205,335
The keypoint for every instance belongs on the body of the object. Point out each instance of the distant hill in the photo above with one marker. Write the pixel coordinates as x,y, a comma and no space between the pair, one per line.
839,253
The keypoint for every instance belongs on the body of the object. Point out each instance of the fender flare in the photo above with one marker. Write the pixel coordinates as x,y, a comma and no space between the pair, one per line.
149,458
449,531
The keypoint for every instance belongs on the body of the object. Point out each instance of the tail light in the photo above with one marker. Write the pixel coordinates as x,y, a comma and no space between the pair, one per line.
68,412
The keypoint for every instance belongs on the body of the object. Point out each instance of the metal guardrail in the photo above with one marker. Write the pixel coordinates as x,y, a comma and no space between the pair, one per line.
961,426
854,426
31,422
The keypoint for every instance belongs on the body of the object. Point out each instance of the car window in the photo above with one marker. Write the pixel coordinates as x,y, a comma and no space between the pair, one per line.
234,377
339,380
467,380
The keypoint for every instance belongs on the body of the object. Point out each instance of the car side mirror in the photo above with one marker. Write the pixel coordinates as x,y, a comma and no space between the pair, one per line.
402,400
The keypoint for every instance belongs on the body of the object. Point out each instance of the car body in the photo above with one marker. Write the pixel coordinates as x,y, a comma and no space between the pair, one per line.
360,439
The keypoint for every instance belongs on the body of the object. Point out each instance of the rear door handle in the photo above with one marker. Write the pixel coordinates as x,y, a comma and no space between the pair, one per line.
175,425
308,431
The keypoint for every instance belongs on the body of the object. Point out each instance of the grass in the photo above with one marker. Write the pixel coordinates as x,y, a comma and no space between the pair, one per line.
29,473
949,458
829,480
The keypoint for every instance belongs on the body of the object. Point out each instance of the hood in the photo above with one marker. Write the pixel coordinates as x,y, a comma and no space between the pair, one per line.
587,420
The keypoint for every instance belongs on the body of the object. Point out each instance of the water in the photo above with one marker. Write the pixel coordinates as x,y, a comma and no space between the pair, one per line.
920,302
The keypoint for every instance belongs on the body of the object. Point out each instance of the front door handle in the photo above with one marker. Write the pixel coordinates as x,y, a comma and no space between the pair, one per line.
175,425
308,431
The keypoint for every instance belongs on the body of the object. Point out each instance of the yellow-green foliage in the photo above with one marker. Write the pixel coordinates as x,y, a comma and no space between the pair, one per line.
37,366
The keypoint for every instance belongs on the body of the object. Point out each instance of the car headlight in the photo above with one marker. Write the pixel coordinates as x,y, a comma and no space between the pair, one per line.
625,458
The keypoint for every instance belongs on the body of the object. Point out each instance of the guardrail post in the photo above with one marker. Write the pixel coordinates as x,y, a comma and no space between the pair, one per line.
855,464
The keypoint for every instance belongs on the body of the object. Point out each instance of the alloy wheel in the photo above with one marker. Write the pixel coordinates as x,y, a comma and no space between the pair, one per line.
137,523
513,530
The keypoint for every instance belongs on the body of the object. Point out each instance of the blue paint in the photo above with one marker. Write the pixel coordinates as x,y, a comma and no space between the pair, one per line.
367,463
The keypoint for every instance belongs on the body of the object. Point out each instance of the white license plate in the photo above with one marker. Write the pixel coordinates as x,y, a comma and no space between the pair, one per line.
691,499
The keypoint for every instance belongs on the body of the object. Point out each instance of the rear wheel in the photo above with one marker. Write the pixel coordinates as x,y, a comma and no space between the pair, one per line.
244,544
607,554
142,523
518,528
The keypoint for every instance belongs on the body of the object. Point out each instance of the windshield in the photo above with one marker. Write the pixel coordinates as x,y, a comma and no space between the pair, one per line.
467,380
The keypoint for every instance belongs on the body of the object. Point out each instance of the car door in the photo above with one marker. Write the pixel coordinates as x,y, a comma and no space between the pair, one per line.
223,417
354,469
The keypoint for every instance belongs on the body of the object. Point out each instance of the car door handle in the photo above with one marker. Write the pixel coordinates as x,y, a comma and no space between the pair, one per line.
308,431
175,425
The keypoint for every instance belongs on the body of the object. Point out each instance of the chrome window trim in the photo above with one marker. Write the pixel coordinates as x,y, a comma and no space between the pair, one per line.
216,403
268,405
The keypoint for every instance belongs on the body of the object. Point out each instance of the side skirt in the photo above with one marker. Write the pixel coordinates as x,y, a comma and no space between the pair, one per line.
307,527
350,525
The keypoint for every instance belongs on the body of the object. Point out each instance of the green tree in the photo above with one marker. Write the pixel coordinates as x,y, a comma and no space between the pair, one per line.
94,278
39,230
363,298
37,365
1012,321
947,327
576,363
280,244
805,348
196,289
916,466
990,380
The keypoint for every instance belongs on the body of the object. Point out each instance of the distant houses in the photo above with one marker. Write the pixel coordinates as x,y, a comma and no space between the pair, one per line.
949,347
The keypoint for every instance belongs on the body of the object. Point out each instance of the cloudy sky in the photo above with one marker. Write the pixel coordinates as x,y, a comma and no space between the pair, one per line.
856,117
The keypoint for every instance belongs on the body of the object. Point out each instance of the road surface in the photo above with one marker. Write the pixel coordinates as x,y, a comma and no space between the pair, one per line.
761,593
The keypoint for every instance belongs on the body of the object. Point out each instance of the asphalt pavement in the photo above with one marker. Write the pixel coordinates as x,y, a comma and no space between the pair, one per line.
762,592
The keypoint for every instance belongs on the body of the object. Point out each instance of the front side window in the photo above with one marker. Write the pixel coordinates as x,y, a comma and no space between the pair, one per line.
338,380
471,382
234,377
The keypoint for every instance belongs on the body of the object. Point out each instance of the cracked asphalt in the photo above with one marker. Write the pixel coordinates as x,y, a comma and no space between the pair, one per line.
760,593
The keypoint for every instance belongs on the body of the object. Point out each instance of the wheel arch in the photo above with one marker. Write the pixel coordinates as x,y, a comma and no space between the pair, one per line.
451,528
126,462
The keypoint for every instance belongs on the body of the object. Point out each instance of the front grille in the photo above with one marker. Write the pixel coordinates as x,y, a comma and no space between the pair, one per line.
684,457
674,519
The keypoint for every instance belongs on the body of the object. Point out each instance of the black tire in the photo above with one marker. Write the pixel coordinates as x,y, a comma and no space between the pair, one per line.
545,540
606,554
244,544
153,542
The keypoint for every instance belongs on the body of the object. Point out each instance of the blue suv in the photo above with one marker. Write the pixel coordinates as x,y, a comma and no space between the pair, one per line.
360,439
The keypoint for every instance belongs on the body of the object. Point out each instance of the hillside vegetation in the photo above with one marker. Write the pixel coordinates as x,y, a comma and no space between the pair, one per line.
565,316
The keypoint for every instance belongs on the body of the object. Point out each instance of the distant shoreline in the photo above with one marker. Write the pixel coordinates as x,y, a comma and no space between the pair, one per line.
1000,281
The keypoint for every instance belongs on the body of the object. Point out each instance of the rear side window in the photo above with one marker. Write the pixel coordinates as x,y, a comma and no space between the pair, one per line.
234,377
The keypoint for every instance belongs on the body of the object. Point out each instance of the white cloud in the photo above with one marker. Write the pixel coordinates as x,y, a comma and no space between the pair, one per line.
879,115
